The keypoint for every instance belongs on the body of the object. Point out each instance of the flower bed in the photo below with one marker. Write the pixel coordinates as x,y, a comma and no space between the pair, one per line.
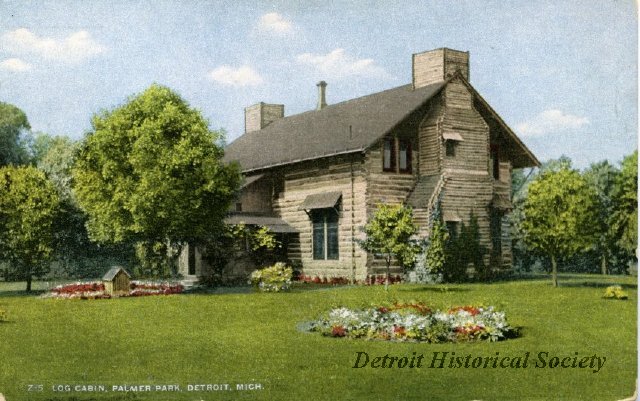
323,280
415,322
370,280
96,290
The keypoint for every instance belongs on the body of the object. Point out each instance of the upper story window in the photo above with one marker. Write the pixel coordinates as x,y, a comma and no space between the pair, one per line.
404,152
389,155
451,140
396,155
450,146
495,161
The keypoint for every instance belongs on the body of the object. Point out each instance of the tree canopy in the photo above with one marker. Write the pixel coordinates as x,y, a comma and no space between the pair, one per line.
558,215
13,124
151,170
624,219
28,207
390,233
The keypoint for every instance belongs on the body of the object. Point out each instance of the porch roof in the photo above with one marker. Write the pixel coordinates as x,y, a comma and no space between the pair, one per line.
275,224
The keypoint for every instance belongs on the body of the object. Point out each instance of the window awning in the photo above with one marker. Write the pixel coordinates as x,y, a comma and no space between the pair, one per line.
321,201
452,136
501,202
275,224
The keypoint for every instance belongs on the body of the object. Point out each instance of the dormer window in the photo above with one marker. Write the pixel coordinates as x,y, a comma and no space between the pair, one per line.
396,155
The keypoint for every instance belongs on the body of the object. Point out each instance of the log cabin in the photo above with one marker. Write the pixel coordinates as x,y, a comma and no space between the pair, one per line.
316,177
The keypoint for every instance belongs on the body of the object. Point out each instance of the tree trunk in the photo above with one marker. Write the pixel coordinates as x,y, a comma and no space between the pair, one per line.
29,283
554,271
603,264
386,282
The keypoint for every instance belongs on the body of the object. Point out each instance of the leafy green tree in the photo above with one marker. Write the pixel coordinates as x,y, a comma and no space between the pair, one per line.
624,219
28,206
463,250
601,177
151,171
435,256
558,215
390,233
13,127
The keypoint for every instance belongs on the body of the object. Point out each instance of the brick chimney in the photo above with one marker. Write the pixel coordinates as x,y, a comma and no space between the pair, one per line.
322,98
437,65
260,115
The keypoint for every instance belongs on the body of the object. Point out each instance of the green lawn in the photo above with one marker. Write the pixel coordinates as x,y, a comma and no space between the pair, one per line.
248,337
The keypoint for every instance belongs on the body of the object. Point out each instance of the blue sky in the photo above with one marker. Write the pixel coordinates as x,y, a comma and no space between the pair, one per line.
562,74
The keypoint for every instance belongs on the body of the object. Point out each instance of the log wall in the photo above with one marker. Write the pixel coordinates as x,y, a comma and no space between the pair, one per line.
346,175
256,198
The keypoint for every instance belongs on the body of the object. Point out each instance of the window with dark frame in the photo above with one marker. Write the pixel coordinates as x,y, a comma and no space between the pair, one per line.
325,234
238,206
404,153
495,161
452,228
450,146
388,155
396,155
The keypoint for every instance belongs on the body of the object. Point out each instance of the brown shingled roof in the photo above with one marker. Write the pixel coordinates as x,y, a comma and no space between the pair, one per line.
350,126
346,127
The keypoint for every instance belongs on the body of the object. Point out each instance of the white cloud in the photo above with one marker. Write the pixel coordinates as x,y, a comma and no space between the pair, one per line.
551,121
242,76
275,23
338,64
15,65
74,48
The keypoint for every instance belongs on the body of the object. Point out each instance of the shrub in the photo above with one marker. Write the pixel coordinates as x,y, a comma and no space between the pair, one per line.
273,278
615,292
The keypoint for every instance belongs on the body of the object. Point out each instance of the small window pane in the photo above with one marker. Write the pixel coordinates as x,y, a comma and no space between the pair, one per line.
404,156
318,234
388,155
332,240
451,148
495,161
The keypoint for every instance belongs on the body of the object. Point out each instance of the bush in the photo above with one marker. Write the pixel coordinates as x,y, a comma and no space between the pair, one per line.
273,278
615,292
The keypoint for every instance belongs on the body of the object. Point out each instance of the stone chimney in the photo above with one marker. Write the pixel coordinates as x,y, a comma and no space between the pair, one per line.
260,115
322,99
437,65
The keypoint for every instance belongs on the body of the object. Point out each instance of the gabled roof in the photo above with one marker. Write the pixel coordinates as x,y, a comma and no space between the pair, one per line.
352,126
113,272
346,127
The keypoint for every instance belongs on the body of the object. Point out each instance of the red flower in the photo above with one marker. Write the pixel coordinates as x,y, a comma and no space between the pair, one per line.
338,331
399,331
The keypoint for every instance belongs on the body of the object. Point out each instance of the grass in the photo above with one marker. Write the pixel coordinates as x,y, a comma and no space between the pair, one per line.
253,338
